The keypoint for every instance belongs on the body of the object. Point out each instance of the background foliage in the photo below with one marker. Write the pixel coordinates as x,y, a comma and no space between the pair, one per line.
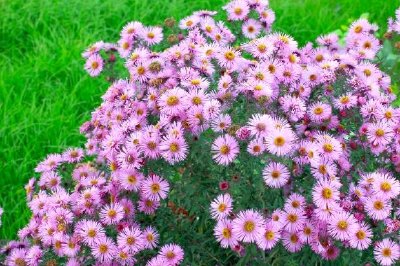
45,94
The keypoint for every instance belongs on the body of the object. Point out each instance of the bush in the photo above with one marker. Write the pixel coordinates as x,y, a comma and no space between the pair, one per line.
268,153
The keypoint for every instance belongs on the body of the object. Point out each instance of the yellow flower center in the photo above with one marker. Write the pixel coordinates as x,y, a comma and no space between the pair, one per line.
385,186
279,141
358,29
174,147
150,35
275,174
103,248
172,100
249,226
379,132
360,235
378,205
95,65
386,252
328,147
130,240
224,149
238,11
269,235
327,193
229,55
132,179
112,213
155,188
292,218
342,225
318,110
226,233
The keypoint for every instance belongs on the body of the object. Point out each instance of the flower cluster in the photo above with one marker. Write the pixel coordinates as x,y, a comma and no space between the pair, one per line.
321,115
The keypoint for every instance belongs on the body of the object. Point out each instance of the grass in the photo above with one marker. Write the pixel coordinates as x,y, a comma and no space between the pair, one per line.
45,95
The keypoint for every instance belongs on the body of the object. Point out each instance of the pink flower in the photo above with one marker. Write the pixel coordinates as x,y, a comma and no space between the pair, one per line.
325,194
270,236
251,28
237,10
280,141
387,252
319,112
130,240
150,237
112,213
342,225
221,207
361,238
173,149
225,149
377,207
276,175
104,250
172,253
248,226
224,233
151,35
292,241
155,187
94,65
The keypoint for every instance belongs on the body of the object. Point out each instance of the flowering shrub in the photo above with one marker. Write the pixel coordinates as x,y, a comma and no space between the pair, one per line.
292,148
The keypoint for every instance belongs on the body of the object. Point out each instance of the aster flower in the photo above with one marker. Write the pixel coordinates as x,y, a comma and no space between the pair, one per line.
104,250
173,149
228,58
293,220
248,226
346,101
323,168
172,101
385,185
17,257
251,28
329,147
130,240
361,238
155,187
130,179
280,141
292,241
319,112
151,35
342,225
295,202
150,237
270,236
148,206
325,194
256,147
221,123
94,65
172,253
237,10
112,213
224,233
73,155
260,125
225,149
221,207
379,133
387,252
276,175
377,207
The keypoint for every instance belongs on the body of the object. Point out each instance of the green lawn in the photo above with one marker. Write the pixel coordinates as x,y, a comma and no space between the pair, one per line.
45,95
